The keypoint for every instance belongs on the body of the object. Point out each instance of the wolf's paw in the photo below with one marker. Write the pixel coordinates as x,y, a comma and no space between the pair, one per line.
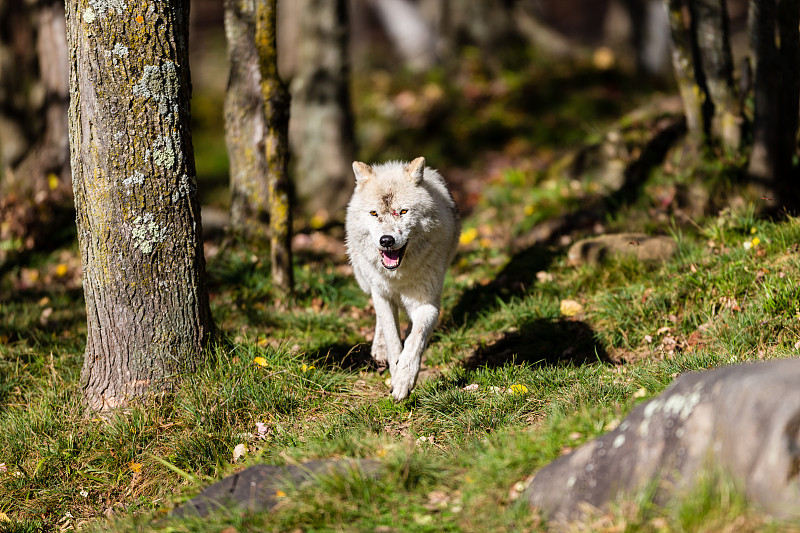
402,384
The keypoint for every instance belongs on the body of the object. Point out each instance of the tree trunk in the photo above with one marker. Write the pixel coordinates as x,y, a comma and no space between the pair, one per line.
321,129
245,124
789,33
276,146
34,142
710,28
685,74
138,217
766,115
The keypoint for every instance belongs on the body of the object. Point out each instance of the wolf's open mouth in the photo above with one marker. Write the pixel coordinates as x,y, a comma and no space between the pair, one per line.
391,258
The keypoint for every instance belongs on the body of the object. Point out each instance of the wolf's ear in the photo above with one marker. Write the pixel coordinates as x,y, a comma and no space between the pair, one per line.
416,169
362,171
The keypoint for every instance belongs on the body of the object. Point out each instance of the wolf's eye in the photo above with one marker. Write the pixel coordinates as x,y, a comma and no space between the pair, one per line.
373,213
403,211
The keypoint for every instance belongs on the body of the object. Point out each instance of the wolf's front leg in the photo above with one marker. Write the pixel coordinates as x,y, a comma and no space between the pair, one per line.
386,346
406,370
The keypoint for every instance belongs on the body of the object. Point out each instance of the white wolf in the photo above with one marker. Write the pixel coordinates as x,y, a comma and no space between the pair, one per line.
402,231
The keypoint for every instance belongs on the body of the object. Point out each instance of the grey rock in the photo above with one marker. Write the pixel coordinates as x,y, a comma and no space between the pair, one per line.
742,420
616,245
255,488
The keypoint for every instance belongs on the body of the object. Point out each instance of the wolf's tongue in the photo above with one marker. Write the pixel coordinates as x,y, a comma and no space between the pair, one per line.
391,258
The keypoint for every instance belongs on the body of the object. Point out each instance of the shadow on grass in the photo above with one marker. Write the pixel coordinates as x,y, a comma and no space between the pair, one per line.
516,278
43,318
542,342
345,356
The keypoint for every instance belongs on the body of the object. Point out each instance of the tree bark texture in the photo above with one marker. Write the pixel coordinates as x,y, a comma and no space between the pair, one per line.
138,217
245,123
711,33
276,146
321,129
691,90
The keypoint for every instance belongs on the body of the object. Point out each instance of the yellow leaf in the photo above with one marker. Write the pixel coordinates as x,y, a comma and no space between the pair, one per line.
280,494
262,342
570,307
468,236
135,467
528,210
306,368
519,388
752,230
260,361
52,181
61,270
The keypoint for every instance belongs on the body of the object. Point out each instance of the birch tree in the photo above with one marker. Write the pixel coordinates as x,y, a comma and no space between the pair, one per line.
138,217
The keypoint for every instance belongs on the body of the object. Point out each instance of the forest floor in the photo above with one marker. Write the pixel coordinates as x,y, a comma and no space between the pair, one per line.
533,357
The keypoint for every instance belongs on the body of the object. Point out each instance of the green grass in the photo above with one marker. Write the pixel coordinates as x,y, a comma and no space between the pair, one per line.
512,383
454,450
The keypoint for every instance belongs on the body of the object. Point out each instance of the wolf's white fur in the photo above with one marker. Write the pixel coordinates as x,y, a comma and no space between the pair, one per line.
401,210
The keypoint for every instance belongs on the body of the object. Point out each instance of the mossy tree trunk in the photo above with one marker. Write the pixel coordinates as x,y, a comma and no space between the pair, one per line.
683,61
276,146
245,124
138,217
710,28
321,130
703,64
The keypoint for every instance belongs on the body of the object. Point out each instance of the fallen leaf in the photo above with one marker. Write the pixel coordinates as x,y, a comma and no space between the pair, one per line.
239,451
260,361
570,307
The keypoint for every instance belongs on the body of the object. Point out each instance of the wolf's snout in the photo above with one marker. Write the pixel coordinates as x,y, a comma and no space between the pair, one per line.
387,241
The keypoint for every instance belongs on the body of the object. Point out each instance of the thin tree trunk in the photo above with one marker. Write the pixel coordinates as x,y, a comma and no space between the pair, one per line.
766,116
689,86
789,33
245,124
710,26
321,129
276,106
138,217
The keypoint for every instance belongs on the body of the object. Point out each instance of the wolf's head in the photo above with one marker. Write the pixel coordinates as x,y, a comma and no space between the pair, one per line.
391,204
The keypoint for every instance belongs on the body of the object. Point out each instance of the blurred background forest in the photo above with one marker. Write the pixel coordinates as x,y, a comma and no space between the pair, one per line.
521,93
